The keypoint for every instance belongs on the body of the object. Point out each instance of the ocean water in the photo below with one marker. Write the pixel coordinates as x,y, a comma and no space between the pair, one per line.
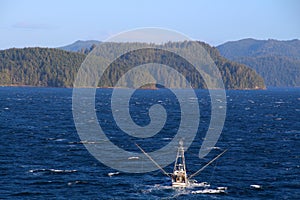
42,157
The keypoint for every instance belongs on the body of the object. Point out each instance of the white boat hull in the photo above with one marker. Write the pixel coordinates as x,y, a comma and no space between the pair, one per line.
179,185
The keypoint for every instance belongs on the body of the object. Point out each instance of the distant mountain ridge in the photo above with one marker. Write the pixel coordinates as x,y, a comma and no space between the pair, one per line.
278,62
80,45
251,47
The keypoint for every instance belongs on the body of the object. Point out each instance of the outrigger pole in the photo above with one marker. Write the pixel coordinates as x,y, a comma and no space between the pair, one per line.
200,170
157,165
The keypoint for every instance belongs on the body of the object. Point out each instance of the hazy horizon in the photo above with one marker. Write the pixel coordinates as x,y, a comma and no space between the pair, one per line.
79,40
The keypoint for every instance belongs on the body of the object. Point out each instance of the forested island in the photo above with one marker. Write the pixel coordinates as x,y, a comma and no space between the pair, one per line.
51,67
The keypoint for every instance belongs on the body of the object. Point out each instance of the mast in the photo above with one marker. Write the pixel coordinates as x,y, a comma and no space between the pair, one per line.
179,172
180,159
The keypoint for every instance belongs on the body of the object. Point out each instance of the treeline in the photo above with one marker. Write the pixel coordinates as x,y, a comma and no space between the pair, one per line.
58,68
39,67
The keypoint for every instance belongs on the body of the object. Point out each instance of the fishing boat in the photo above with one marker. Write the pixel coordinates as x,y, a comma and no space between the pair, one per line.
179,177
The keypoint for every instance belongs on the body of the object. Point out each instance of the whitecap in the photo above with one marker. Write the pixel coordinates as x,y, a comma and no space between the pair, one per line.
63,171
255,186
52,170
76,182
211,148
60,140
88,142
251,101
209,191
113,173
279,102
202,184
133,158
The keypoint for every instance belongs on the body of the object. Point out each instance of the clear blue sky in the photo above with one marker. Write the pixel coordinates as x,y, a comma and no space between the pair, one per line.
56,23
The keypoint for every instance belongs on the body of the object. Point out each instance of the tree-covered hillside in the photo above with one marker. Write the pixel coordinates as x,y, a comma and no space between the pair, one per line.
278,62
58,68
39,67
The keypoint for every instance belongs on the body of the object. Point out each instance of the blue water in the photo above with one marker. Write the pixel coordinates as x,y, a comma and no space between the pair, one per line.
41,156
